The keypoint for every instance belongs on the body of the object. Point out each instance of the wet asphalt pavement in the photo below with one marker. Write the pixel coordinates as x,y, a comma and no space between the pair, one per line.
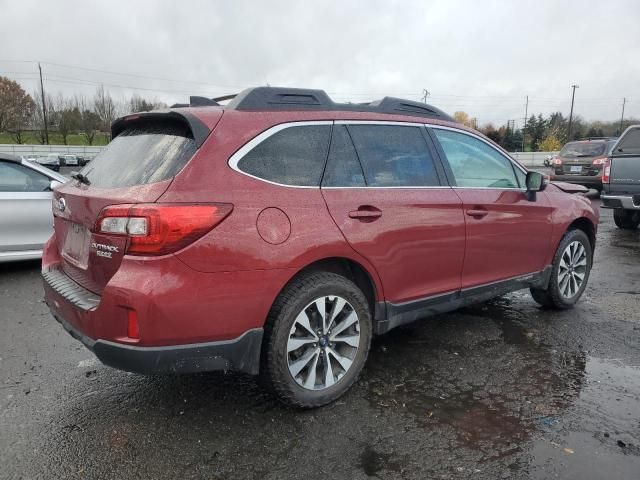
499,390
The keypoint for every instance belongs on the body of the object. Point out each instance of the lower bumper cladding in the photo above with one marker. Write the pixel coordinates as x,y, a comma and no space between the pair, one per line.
239,354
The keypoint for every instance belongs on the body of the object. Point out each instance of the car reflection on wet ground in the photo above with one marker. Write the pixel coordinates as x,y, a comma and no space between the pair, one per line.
498,390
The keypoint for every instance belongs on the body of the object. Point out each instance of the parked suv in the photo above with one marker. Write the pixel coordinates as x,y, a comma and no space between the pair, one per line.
581,162
621,180
277,234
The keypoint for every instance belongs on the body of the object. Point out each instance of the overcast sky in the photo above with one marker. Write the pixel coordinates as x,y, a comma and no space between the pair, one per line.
482,57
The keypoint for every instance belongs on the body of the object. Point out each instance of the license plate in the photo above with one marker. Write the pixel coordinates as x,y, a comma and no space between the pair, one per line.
76,245
576,169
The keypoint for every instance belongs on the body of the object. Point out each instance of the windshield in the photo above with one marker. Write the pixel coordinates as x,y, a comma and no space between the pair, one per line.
143,154
583,149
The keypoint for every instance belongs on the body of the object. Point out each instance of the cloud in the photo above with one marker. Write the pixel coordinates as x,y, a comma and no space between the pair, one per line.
480,57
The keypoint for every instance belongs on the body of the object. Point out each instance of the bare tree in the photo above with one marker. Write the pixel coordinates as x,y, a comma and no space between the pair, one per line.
37,117
89,120
67,117
136,103
105,108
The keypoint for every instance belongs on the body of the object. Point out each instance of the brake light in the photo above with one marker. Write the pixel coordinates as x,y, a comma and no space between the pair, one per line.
157,228
606,171
599,161
556,161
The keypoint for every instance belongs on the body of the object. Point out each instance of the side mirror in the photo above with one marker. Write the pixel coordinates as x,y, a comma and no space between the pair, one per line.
53,184
536,182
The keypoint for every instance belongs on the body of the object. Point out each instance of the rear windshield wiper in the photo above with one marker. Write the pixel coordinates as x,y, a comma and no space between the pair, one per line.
80,177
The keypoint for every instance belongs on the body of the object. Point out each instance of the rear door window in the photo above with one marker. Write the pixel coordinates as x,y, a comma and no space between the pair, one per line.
293,156
394,156
474,163
343,167
145,153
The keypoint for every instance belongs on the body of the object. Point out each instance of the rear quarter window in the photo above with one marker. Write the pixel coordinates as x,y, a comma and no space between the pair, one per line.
144,153
293,156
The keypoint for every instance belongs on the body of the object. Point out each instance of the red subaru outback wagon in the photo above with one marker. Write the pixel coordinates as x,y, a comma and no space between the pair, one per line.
277,234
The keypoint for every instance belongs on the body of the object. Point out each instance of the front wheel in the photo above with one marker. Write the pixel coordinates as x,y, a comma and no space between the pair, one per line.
317,339
626,219
569,273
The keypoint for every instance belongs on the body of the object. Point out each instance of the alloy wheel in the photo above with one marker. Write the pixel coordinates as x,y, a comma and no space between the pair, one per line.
323,342
572,269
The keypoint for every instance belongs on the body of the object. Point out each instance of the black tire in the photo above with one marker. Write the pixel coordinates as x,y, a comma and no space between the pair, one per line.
626,219
299,293
551,297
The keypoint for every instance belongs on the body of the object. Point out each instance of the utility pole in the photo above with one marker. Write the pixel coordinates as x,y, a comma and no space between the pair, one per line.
624,100
573,96
425,94
524,129
44,107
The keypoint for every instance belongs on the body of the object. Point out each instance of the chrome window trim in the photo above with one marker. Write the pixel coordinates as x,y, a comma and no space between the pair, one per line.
255,141
478,137
438,187
379,122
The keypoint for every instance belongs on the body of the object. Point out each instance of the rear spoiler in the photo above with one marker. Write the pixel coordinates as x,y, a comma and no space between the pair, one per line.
199,130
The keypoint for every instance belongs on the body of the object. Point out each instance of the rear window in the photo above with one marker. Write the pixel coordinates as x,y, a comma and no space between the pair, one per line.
629,143
583,149
145,153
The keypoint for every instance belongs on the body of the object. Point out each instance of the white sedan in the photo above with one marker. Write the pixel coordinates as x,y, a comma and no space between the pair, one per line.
26,221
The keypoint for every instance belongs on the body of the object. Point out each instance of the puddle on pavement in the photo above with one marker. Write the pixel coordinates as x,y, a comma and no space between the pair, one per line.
484,378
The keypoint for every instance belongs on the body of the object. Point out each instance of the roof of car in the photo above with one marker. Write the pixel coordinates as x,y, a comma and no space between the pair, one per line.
10,158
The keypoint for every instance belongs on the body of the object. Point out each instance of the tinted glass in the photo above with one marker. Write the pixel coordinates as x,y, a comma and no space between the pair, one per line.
474,163
18,178
629,143
293,156
147,153
583,149
343,167
394,156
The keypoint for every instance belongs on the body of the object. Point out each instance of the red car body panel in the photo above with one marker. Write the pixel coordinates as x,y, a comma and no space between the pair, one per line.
420,232
512,238
224,283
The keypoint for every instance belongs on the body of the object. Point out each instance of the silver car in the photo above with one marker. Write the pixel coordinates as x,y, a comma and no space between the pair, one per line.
26,221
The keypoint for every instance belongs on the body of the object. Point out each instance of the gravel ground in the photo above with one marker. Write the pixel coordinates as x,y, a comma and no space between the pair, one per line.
499,390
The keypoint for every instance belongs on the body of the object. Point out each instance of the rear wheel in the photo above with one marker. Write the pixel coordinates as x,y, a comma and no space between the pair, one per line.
626,219
317,339
569,273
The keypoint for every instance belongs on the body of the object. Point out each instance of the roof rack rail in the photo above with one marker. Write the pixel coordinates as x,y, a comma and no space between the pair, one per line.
600,138
280,98
196,101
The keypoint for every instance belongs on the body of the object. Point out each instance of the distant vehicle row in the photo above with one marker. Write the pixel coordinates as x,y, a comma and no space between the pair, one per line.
54,161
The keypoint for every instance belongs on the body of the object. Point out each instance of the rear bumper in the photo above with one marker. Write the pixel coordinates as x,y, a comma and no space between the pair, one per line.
620,201
240,354
586,180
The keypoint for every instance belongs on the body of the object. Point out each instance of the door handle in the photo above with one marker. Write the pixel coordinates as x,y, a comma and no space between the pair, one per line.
477,213
365,213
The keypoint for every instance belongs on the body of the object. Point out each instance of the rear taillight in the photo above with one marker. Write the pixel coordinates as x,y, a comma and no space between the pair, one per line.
606,171
556,161
157,228
599,161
